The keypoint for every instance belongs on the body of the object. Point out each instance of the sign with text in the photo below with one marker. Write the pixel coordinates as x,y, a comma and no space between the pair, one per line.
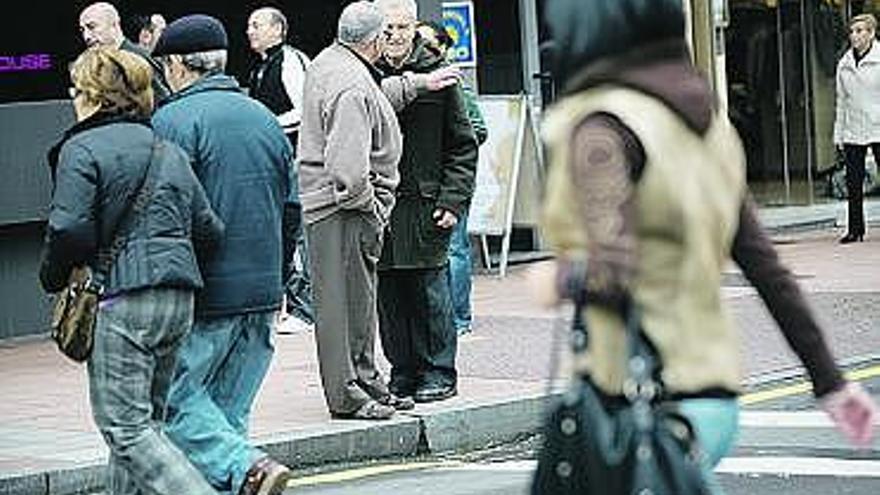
25,63
458,19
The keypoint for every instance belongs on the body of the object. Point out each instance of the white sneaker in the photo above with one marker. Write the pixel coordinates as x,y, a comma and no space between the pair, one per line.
292,324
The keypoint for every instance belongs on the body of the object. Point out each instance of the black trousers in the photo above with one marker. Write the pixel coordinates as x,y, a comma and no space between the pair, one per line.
415,326
855,183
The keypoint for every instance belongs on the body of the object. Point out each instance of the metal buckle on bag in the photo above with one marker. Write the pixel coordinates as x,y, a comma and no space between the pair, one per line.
93,286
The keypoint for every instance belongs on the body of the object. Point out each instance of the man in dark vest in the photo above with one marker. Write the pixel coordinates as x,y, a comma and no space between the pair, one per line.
276,80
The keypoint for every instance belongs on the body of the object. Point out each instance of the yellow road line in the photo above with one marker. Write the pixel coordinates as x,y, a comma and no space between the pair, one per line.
803,387
359,473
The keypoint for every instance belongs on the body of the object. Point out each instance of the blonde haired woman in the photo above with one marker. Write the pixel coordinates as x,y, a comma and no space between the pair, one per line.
106,160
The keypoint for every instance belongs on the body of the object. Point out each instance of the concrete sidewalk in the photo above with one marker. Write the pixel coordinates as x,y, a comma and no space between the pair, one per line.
48,443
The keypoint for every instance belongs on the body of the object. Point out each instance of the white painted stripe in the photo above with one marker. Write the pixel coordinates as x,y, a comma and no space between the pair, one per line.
792,466
782,419
800,466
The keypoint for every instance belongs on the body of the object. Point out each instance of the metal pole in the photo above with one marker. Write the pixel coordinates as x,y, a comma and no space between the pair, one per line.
531,59
806,41
783,96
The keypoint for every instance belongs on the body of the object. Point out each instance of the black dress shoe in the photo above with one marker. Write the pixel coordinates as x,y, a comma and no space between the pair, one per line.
848,238
434,392
402,388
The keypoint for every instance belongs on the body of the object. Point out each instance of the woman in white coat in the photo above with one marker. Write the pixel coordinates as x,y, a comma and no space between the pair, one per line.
857,124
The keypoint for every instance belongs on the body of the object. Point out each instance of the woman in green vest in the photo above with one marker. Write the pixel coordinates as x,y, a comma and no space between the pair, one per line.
647,201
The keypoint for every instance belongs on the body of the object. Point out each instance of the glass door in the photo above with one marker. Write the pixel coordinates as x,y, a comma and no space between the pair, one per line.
781,59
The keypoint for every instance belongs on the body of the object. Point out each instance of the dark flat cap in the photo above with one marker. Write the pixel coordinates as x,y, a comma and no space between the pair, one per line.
191,34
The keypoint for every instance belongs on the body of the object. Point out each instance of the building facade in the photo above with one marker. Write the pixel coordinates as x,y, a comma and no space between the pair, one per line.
772,64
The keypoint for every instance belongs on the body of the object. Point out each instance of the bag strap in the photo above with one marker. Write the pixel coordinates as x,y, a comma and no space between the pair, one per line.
123,222
640,386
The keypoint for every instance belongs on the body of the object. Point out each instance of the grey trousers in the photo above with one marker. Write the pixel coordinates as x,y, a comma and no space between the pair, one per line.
137,338
344,250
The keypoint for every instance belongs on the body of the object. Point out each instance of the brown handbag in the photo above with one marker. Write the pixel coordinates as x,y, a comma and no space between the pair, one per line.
75,312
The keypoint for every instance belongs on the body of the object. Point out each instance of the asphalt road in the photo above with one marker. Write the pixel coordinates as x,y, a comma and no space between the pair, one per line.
768,463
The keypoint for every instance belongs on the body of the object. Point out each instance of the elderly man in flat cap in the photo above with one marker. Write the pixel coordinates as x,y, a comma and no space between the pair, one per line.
242,157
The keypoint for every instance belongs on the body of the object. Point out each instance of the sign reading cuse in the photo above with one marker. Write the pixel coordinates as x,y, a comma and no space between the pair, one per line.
25,63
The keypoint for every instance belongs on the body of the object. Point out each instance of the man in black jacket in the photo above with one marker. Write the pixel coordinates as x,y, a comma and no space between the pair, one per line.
276,80
437,172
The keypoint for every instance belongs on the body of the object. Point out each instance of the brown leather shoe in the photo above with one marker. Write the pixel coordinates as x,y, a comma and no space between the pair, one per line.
266,477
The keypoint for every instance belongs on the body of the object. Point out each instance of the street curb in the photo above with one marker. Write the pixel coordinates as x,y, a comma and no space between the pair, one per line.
83,479
357,441
473,426
485,425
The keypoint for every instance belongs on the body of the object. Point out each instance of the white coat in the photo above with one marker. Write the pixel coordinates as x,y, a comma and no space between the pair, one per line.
858,99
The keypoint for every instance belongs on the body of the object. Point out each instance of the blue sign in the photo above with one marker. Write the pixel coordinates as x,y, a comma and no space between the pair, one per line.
458,19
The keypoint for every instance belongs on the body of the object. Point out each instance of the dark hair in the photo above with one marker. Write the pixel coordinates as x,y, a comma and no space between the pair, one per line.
443,38
589,30
136,24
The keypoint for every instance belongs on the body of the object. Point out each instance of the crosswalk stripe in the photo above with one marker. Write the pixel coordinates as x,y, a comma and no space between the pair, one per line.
800,466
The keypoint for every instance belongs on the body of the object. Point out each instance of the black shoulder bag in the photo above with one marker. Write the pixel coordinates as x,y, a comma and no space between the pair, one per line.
76,308
638,444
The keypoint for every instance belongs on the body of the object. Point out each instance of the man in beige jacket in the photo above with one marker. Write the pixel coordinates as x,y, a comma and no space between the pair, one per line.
349,148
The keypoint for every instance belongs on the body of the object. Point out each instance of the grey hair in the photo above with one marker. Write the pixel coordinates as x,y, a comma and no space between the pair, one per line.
410,6
360,22
207,61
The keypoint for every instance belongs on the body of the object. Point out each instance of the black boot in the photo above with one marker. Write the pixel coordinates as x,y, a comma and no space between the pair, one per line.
848,238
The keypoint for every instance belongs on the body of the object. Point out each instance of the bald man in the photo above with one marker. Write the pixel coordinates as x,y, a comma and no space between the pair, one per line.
276,79
99,24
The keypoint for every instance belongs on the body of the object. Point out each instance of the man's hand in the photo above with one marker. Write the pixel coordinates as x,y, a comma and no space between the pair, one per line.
439,78
445,219
853,411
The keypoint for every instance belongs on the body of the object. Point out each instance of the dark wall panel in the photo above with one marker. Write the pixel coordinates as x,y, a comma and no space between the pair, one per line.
24,308
27,131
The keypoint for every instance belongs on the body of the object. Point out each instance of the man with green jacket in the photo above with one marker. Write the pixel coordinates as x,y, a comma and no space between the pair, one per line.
437,172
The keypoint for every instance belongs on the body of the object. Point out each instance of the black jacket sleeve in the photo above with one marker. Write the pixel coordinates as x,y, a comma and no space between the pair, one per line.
71,232
459,155
291,221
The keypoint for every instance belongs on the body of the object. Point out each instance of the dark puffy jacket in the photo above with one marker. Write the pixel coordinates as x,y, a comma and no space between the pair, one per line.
97,169
243,160
437,169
